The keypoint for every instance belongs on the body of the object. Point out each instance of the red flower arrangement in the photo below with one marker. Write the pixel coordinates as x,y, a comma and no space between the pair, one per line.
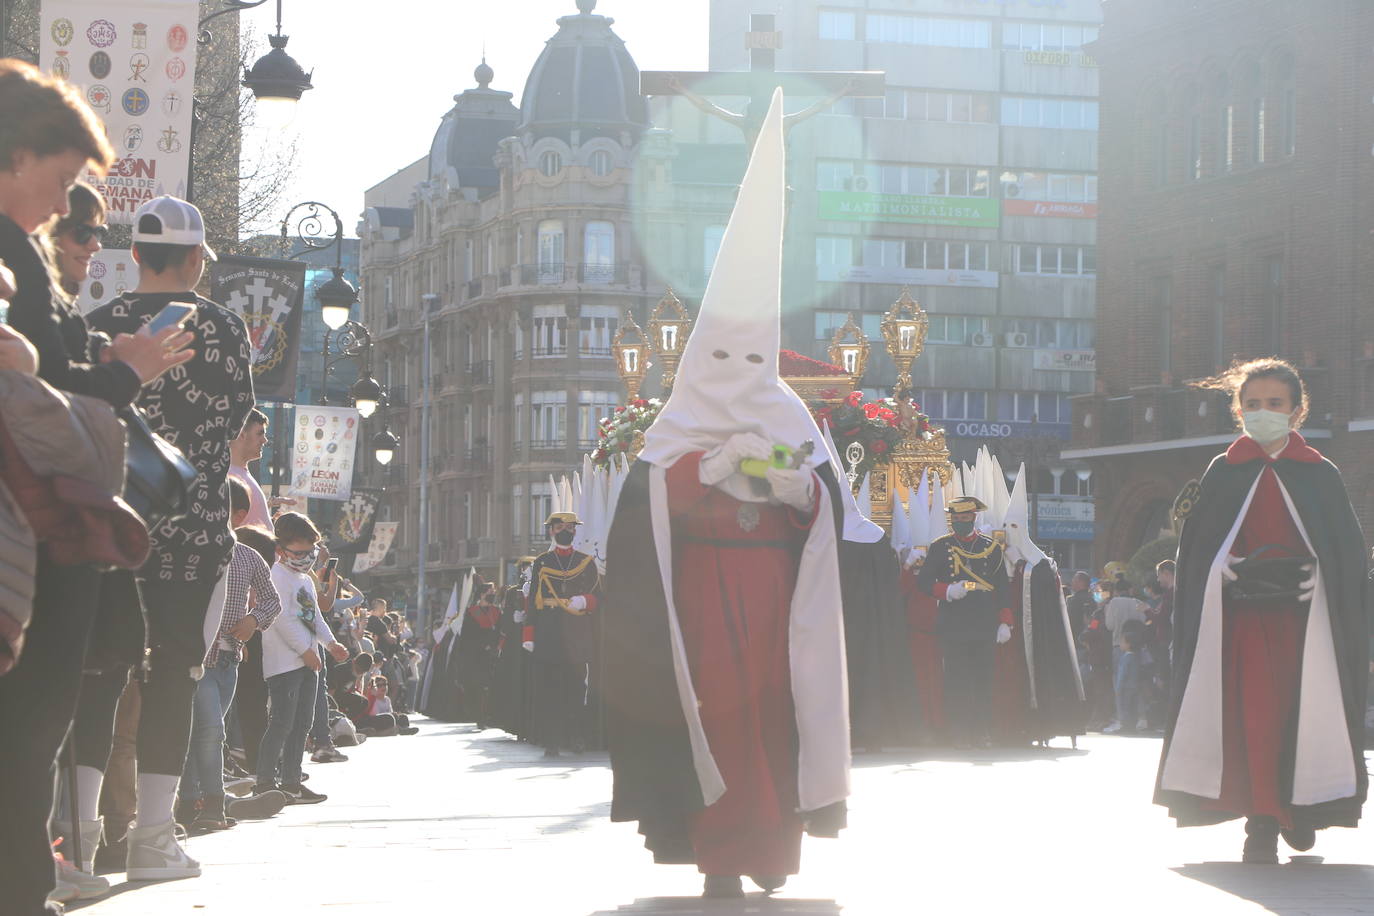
876,425
792,364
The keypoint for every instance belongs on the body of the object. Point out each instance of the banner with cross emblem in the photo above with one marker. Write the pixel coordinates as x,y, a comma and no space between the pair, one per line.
269,296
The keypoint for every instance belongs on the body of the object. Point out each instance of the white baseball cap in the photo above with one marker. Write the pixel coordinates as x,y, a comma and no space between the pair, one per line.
171,221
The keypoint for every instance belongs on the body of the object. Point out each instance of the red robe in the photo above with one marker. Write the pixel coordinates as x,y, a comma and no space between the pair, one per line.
1261,655
733,592
922,610
1011,677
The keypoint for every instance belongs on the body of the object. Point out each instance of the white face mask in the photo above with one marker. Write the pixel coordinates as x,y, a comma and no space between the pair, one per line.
1265,425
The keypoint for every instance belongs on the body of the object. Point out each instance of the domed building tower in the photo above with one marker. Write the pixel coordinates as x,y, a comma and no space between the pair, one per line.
519,222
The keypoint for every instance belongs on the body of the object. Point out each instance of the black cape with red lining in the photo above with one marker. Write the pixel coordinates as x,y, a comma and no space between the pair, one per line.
1324,510
655,781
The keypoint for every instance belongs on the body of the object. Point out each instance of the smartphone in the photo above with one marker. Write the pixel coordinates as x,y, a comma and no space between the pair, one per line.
331,566
174,313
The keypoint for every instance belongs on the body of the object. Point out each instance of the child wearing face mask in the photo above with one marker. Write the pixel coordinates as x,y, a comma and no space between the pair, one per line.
290,660
1269,607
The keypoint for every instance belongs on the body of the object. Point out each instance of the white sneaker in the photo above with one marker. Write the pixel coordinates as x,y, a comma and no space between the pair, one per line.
1112,729
240,787
155,854
73,884
90,842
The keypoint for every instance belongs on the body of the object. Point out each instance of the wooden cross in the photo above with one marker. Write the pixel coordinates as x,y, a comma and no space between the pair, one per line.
759,81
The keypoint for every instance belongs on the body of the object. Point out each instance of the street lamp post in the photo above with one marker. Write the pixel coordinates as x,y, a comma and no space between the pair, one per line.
428,302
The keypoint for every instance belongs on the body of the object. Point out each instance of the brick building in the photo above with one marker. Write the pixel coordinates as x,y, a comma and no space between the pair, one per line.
1237,192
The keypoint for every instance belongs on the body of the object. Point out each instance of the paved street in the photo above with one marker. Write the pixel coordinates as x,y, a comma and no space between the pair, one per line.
455,821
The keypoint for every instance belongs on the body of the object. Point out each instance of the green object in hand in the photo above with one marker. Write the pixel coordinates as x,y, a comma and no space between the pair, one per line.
782,459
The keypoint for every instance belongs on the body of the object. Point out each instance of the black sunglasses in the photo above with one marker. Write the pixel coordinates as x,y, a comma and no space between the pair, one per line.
83,234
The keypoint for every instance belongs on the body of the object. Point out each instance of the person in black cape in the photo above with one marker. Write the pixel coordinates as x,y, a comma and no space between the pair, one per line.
511,690
1270,605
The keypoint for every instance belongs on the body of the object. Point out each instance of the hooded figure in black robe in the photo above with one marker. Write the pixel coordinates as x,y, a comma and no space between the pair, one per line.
440,696
1322,774
511,691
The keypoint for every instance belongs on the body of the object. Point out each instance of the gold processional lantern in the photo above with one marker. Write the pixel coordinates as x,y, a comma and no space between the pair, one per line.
905,327
631,349
849,349
669,327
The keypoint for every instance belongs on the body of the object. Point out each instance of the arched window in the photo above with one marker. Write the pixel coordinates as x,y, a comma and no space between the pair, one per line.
602,163
549,256
550,163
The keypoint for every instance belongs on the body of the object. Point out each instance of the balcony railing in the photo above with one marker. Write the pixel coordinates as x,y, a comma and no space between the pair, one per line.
477,458
548,274
480,373
474,288
617,274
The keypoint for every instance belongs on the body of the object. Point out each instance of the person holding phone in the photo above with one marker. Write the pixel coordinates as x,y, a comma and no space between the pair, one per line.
201,410
50,137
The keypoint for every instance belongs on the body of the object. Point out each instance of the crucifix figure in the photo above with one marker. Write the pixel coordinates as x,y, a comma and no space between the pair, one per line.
759,82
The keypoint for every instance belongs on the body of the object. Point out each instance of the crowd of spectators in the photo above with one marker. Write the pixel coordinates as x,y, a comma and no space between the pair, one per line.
179,667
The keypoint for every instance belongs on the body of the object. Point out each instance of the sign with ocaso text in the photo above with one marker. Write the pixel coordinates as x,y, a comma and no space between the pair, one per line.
134,62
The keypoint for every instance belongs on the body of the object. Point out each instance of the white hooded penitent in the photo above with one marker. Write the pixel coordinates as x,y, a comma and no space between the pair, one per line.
858,528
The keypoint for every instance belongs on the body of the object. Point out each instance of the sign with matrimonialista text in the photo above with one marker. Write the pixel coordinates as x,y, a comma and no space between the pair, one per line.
861,206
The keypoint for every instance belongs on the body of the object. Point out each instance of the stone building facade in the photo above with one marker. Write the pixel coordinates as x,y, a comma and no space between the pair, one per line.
1237,186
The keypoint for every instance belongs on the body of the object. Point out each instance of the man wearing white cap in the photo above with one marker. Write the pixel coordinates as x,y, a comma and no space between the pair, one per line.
725,691
200,408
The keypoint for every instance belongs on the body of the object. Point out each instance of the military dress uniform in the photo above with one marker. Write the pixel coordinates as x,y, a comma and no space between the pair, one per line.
565,643
967,627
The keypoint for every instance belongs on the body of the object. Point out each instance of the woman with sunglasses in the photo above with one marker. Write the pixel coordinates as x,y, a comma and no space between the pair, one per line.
49,137
78,237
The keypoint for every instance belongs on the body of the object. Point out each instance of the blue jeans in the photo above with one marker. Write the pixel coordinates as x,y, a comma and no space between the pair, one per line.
290,711
320,731
203,775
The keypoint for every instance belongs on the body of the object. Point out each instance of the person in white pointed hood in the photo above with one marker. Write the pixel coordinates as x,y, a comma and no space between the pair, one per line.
884,707
1040,693
725,693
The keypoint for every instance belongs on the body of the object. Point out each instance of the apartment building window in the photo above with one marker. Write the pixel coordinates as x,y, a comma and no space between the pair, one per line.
592,406
1271,314
1162,301
1052,333
548,419
957,107
540,507
1046,36
924,30
955,329
1226,141
517,502
518,415
597,328
1068,114
598,252
1060,187
1258,116
1040,406
837,26
710,246
1056,260
954,405
549,331
550,252
1216,296
550,163
827,323
602,163
934,255
834,252
924,180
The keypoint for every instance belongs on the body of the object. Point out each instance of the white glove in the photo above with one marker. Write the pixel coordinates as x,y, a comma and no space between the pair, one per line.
525,589
577,603
1003,633
724,459
1228,569
792,488
527,646
955,590
1308,585
519,616
915,556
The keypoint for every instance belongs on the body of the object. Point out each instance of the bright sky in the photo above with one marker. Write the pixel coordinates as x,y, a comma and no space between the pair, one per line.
386,71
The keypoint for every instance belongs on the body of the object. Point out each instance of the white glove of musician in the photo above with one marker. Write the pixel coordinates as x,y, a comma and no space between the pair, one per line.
1003,633
525,589
519,616
1228,569
1308,585
956,590
527,646
577,603
792,488
723,460
915,557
